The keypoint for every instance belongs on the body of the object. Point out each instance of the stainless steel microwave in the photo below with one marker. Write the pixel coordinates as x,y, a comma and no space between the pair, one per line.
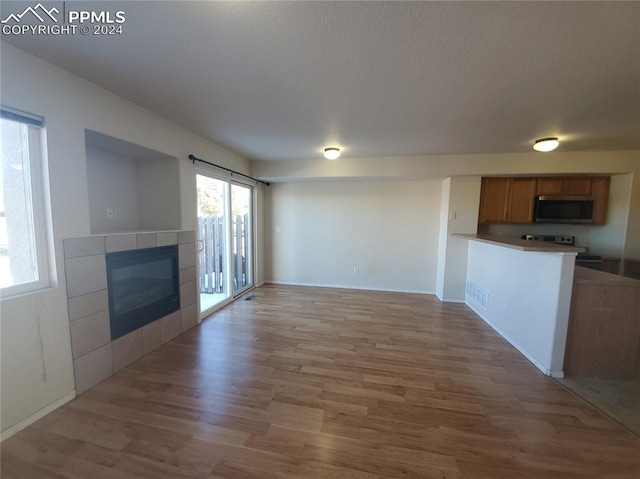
563,209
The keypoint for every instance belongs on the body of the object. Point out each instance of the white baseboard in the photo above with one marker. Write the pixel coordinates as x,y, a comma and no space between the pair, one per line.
449,300
38,415
534,361
342,286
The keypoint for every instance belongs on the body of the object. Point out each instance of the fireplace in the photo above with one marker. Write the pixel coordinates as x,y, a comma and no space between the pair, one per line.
143,286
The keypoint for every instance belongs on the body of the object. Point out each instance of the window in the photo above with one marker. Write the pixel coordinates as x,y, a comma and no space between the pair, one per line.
23,238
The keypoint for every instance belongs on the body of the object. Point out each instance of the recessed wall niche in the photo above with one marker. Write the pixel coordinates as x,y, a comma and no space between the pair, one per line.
131,188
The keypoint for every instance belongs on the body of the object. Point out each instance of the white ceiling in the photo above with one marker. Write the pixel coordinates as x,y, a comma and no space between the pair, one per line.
283,80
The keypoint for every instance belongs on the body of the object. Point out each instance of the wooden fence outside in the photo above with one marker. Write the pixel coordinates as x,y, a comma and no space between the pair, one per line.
212,236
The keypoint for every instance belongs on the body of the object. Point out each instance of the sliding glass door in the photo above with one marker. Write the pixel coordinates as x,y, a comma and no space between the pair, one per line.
225,243
241,240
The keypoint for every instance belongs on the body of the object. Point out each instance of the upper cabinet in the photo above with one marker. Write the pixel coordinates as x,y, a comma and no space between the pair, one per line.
570,186
511,200
507,200
494,197
600,195
549,186
520,207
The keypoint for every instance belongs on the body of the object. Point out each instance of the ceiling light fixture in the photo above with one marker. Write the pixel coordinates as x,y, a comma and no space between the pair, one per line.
546,144
331,153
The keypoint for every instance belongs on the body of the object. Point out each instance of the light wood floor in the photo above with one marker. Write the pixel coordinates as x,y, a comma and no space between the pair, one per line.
326,383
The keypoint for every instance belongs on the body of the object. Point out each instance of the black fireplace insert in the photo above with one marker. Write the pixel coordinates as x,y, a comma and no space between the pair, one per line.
143,286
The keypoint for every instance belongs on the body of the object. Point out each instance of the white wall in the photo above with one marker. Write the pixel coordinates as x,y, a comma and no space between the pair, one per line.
529,299
113,184
144,194
443,237
387,229
35,343
460,198
158,198
610,239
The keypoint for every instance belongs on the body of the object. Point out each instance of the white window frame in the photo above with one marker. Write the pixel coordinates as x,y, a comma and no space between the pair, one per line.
39,189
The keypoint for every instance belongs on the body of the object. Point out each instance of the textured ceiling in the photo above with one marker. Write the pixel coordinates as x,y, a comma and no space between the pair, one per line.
283,80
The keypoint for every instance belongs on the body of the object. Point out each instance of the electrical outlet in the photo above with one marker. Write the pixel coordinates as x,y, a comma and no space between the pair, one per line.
356,270
278,229
452,215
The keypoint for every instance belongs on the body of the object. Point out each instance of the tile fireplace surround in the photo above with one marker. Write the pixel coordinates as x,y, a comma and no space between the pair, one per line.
95,356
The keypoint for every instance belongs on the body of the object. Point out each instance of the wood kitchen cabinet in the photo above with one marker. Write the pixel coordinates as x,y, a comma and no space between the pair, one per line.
600,194
578,186
507,200
569,186
549,187
521,200
512,200
494,198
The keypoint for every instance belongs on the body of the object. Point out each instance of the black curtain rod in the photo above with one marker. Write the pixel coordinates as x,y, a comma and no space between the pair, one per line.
194,159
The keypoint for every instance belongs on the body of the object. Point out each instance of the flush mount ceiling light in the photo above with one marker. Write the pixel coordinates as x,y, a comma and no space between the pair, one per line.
546,144
331,153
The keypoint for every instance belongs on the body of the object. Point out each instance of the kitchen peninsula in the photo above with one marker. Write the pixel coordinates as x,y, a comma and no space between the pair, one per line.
522,289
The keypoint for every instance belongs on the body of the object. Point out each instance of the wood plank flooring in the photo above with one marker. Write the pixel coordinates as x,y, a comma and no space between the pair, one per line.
327,383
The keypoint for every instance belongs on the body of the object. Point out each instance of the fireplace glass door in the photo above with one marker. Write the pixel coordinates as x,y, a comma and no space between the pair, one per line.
143,286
